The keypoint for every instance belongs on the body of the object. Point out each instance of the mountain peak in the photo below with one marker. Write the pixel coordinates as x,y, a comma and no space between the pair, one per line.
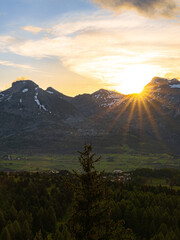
104,92
163,81
158,83
23,82
50,89
26,84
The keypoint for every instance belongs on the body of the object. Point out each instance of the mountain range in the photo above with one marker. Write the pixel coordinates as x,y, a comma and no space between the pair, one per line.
37,120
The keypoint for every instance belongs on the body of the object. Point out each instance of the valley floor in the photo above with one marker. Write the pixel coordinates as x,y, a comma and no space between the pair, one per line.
109,162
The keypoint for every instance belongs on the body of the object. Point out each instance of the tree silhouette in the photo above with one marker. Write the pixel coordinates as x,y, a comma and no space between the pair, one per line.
90,219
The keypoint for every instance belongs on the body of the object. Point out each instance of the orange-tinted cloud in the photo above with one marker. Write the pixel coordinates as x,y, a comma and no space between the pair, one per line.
11,64
150,8
107,48
22,78
33,29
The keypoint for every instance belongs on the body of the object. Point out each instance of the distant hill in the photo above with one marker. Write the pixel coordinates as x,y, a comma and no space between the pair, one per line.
37,120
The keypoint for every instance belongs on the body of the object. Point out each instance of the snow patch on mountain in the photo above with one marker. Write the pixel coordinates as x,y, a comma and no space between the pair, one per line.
37,100
25,90
107,98
175,85
49,92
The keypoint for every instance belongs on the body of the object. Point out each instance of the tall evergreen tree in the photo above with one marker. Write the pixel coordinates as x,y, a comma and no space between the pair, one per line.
38,236
17,230
50,220
90,219
2,221
5,235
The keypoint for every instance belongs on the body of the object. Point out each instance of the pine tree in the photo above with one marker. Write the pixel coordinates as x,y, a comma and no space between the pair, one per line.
17,230
5,235
38,236
2,221
26,231
50,220
90,218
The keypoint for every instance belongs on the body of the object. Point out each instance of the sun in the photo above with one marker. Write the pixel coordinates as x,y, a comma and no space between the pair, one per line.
135,77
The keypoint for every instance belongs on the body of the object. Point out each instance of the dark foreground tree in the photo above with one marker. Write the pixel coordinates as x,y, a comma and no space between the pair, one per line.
90,219
91,214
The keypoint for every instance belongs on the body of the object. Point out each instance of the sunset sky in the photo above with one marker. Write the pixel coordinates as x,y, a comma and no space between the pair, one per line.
79,46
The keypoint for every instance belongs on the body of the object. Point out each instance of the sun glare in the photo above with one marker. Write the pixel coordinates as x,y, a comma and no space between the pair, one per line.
124,75
134,78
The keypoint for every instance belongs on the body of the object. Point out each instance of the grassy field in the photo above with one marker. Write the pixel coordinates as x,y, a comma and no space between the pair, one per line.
109,162
160,181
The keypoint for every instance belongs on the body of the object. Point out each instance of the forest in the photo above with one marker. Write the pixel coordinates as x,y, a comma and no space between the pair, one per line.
45,205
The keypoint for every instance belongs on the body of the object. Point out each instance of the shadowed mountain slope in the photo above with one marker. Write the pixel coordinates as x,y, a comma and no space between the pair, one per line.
34,119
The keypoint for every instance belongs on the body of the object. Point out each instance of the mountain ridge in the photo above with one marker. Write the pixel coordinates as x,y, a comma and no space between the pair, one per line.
43,120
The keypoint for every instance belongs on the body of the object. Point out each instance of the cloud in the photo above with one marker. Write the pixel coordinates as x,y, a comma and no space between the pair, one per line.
5,41
11,64
32,29
151,8
22,78
104,47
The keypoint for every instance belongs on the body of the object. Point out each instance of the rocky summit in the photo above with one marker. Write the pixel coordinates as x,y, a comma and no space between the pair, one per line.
33,119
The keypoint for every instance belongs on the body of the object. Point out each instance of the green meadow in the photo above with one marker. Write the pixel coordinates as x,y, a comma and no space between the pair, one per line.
109,162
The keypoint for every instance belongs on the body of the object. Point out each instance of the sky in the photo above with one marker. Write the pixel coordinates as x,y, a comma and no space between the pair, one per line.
80,46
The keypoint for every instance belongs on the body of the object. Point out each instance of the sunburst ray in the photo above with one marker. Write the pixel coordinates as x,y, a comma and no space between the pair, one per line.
151,118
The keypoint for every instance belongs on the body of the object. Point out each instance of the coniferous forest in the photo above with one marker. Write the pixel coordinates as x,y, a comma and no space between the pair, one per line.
88,204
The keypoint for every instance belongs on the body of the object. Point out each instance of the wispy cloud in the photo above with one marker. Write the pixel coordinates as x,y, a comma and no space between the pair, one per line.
32,29
151,8
104,47
11,64
5,41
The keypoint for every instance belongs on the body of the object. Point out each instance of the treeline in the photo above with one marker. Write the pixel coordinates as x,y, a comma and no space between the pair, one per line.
151,212
171,174
37,207
32,206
